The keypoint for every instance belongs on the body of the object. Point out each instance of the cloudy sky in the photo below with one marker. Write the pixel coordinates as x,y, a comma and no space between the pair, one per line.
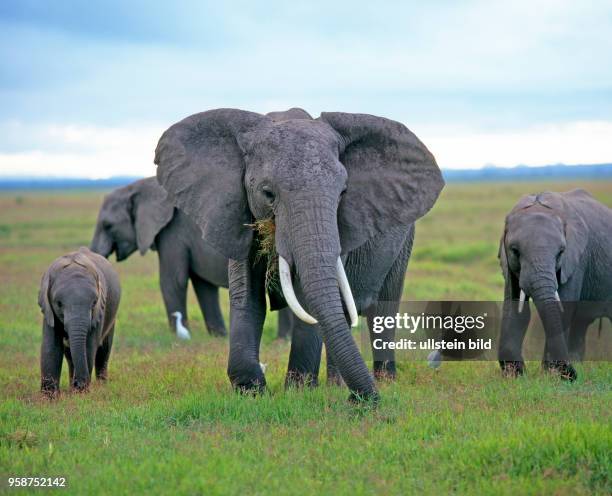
86,88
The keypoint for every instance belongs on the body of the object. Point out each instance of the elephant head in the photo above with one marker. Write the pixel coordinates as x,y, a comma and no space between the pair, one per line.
73,295
130,218
541,249
330,184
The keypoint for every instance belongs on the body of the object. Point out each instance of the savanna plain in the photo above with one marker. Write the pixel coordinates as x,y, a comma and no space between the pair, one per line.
168,422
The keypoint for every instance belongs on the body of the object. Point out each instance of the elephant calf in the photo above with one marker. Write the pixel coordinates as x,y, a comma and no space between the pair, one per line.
556,249
79,296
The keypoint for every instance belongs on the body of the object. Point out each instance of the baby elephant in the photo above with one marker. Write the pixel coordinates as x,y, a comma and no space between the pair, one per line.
79,296
557,250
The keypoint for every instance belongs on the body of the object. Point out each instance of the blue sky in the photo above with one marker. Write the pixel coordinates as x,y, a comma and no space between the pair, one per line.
86,88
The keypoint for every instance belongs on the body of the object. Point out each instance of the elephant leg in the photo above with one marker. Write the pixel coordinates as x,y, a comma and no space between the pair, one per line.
247,315
51,355
103,354
208,298
556,355
305,356
383,360
91,347
333,374
285,323
173,278
513,329
70,363
388,305
577,340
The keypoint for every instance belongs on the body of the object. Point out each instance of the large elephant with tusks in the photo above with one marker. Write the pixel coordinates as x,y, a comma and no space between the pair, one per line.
342,193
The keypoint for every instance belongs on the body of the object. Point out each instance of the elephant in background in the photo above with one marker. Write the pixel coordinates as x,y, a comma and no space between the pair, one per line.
139,216
343,192
79,297
556,249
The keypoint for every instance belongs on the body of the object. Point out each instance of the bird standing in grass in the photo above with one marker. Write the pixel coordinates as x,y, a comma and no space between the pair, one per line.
434,359
181,331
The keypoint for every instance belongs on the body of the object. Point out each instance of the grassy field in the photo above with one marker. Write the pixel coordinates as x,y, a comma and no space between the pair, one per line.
168,422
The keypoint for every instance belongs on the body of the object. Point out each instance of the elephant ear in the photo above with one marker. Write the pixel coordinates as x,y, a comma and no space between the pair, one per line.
393,179
503,258
97,314
43,298
201,165
576,237
575,228
576,241
151,210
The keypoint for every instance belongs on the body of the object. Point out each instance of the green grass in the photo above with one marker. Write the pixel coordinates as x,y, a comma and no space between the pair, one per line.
168,422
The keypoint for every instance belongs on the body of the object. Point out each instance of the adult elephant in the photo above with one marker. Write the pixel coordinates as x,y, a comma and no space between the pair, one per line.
343,191
140,217
556,249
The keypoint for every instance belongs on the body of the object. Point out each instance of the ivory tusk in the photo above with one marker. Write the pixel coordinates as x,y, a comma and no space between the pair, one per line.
290,298
521,301
559,300
347,294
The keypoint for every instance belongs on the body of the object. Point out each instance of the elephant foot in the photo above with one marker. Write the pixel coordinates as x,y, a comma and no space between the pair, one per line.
385,370
565,369
296,379
512,368
217,332
252,389
50,393
368,400
334,380
80,389
249,380
102,376
49,387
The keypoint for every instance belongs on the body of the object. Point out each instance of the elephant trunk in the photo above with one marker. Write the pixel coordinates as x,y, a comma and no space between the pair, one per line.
101,242
78,330
543,290
315,246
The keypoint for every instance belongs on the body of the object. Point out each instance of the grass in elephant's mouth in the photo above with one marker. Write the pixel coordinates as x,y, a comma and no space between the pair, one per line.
265,230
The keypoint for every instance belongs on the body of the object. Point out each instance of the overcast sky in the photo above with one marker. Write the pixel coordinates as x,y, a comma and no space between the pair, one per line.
86,88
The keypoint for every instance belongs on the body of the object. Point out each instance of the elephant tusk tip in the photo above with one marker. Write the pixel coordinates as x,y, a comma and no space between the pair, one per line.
288,292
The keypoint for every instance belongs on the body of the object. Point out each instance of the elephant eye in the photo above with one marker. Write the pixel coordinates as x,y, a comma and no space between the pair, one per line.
59,304
268,194
515,251
560,252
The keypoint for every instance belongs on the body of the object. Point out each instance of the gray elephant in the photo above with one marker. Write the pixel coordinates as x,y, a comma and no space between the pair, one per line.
342,193
557,250
79,296
139,216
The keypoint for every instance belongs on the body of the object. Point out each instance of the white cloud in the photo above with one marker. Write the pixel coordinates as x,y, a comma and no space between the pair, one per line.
97,152
82,151
586,142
